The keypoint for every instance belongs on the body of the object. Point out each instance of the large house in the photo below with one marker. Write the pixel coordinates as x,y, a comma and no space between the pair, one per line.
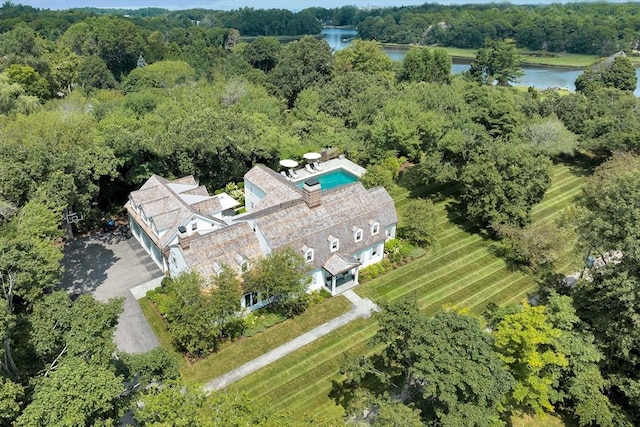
337,230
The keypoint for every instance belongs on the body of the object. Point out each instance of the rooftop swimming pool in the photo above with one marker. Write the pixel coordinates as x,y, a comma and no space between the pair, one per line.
332,179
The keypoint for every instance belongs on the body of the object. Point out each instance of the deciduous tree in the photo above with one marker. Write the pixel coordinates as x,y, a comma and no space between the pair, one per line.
303,63
501,183
281,275
526,341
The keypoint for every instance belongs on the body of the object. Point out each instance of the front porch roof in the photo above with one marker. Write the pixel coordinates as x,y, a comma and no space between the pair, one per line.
340,263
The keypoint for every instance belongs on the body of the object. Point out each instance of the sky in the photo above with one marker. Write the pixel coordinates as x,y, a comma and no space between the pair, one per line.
294,5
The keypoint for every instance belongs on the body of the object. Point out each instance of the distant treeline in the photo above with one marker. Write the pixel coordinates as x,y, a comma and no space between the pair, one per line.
589,28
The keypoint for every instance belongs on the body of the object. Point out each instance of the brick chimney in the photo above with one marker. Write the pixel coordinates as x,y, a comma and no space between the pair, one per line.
311,192
183,237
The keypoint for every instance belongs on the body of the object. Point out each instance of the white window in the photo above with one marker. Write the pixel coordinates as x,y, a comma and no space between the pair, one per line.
334,244
242,262
194,225
375,228
250,299
374,251
217,268
308,255
357,234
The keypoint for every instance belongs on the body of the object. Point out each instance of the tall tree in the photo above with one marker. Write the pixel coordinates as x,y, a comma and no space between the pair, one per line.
612,202
76,393
525,340
363,56
461,379
426,65
303,63
616,72
499,61
281,275
501,183
263,53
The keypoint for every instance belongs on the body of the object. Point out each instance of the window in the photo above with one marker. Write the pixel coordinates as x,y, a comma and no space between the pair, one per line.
375,227
217,268
357,234
194,226
308,255
374,251
250,299
334,244
242,262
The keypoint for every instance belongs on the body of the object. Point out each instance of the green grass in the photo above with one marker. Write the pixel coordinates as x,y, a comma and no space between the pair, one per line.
234,354
572,60
460,270
159,328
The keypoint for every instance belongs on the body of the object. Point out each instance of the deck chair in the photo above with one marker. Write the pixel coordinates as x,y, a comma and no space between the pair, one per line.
317,166
293,173
283,173
309,168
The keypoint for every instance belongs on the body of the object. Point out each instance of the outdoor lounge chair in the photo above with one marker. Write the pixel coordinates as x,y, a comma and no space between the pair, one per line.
309,168
317,166
293,173
283,173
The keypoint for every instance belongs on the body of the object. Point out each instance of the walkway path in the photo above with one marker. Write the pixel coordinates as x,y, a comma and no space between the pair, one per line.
360,308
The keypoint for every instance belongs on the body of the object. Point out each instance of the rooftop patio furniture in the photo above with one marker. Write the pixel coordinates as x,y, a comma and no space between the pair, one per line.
317,166
309,168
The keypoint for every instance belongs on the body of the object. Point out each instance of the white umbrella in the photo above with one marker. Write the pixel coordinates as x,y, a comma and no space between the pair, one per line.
312,156
288,163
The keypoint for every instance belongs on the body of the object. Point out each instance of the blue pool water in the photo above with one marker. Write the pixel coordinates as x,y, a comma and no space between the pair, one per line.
332,179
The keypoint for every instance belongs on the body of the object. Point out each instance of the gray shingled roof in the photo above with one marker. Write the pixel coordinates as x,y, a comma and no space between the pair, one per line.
169,204
277,188
224,247
342,210
339,263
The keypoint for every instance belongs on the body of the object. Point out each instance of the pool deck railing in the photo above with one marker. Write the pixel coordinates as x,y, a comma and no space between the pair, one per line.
331,165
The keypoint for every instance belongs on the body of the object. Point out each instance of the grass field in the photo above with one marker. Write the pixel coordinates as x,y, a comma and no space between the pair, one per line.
564,60
460,270
234,354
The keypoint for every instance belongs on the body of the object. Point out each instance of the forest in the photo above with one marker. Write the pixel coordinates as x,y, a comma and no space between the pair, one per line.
92,104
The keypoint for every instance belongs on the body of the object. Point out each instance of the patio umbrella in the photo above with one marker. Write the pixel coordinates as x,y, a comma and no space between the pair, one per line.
288,163
312,156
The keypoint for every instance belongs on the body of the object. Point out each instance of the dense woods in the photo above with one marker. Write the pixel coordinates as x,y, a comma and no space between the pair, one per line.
91,104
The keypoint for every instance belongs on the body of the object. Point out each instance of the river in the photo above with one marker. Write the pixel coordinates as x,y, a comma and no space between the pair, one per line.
536,76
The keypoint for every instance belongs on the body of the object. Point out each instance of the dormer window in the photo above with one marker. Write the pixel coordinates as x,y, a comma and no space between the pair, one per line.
194,225
217,268
375,227
357,234
308,255
242,262
334,244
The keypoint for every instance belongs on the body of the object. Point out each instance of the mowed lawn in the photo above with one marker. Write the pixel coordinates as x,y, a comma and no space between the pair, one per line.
461,269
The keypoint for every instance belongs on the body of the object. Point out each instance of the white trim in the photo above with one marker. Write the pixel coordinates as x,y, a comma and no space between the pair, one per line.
375,227
308,255
334,245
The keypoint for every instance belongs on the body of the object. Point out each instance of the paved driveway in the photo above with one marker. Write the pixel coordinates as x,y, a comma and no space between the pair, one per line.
108,266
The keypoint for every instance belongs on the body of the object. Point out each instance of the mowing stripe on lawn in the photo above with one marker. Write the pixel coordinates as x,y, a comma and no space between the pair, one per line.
327,345
489,291
413,282
462,278
451,297
554,208
452,254
460,270
485,288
